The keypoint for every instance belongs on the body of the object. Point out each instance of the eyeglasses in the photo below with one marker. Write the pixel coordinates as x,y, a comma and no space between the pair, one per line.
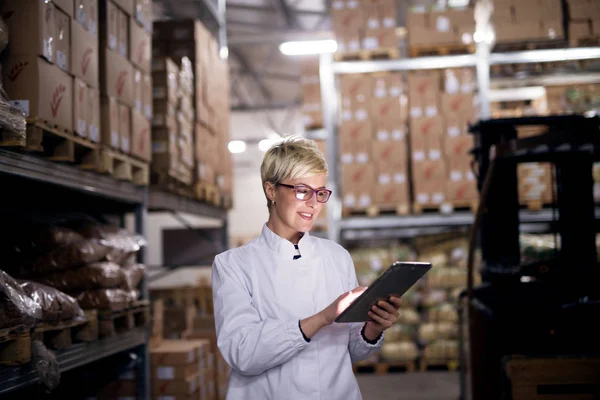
305,193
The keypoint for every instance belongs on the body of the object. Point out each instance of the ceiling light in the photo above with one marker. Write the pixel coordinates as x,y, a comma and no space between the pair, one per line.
308,47
236,146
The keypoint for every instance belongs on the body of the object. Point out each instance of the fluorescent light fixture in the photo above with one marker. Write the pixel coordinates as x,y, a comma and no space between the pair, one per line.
266,144
236,146
517,93
308,47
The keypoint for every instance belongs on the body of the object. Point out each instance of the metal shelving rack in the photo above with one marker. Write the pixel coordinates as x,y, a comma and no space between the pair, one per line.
66,188
392,226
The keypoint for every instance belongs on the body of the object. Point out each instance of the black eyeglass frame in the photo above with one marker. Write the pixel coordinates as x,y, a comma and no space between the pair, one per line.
313,191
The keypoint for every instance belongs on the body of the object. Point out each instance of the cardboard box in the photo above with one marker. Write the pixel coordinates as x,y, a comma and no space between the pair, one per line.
181,29
140,47
143,13
109,28
66,6
147,95
462,190
91,15
62,40
84,55
390,85
355,131
429,170
552,29
388,109
579,30
391,194
123,34
357,88
40,89
79,9
391,130
116,77
141,136
109,109
429,192
458,146
137,90
430,129
93,115
179,387
126,6
125,128
393,153
380,38
31,26
460,104
357,183
80,107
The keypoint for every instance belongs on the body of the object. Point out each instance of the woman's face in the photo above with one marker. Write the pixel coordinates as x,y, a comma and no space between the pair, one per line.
292,215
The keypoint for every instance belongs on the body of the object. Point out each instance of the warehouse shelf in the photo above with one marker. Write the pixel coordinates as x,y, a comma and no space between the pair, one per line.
12,378
70,177
162,201
553,79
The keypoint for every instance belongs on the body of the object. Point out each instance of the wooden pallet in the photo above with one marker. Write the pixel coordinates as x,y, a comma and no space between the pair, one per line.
171,184
59,144
383,368
121,166
587,42
226,201
427,365
446,207
15,345
440,50
365,55
530,45
535,205
208,193
111,323
62,335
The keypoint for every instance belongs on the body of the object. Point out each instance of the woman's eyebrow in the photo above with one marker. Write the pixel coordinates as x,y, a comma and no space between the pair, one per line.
304,184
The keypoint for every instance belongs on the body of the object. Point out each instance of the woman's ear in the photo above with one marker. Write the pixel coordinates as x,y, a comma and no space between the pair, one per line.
270,191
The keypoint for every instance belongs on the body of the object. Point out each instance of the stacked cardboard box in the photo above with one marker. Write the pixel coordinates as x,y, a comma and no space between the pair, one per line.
183,369
519,21
584,22
372,141
125,81
440,27
183,40
438,136
125,387
364,24
311,94
50,66
572,98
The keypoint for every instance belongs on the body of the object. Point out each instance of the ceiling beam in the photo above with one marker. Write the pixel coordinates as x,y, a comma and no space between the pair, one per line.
273,75
269,106
277,37
233,23
250,71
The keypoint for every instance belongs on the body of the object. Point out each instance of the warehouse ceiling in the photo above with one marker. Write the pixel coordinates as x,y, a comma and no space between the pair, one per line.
261,77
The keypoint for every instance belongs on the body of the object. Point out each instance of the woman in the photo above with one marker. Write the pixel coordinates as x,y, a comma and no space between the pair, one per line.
276,298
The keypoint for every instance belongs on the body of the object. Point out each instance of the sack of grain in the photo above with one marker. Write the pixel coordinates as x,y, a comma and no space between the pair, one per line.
445,312
401,332
133,275
430,332
441,350
106,299
399,351
408,316
55,305
99,275
433,297
121,243
16,307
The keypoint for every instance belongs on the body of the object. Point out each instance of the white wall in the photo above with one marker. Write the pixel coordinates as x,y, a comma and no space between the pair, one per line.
249,211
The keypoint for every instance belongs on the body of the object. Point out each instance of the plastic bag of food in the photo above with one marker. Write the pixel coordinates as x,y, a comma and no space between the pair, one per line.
133,275
120,242
401,332
430,332
408,316
16,307
106,299
442,349
98,275
55,305
399,351
66,257
445,312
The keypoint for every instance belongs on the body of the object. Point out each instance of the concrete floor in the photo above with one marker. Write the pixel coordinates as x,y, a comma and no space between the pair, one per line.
432,385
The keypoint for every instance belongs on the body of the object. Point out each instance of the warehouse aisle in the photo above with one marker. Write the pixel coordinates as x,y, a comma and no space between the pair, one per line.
416,386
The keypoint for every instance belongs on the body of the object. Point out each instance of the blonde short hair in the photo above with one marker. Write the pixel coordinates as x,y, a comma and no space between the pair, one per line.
292,158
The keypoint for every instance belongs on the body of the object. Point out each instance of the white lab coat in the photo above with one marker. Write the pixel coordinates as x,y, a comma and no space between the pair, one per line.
260,293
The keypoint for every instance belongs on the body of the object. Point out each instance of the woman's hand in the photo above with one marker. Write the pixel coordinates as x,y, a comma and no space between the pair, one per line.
383,315
330,313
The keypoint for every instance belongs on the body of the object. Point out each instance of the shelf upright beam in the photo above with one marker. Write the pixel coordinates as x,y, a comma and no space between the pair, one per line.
405,64
330,107
142,351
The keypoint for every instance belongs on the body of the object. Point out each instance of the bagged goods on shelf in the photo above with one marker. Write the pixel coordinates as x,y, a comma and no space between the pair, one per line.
106,299
408,316
133,275
399,351
400,332
16,307
55,305
445,312
430,332
66,257
92,276
433,297
441,350
445,278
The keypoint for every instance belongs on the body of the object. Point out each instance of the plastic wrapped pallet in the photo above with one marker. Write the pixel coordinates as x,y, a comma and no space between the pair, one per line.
93,276
399,351
55,305
16,307
106,299
431,332
441,350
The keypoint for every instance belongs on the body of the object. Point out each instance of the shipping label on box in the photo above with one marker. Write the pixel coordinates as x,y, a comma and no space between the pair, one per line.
40,89
137,90
109,108
93,115
140,137
123,34
125,128
84,55
109,28
117,77
147,95
391,130
552,29
391,85
62,40
430,192
80,17
380,38
31,26
141,47
91,15
80,107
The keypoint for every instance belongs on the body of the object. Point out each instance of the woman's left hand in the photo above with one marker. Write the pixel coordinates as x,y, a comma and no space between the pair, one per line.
383,315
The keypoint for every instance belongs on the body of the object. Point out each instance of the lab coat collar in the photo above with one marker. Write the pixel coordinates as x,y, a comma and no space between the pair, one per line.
284,247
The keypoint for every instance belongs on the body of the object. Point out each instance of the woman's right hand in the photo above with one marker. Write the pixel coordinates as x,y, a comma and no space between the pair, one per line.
330,313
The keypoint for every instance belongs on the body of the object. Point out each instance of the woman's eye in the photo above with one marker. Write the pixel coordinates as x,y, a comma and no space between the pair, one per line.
303,190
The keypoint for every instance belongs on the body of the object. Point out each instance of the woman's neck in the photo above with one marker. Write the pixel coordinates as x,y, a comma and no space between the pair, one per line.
284,231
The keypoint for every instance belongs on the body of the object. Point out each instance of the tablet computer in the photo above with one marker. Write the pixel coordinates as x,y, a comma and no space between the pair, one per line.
395,281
